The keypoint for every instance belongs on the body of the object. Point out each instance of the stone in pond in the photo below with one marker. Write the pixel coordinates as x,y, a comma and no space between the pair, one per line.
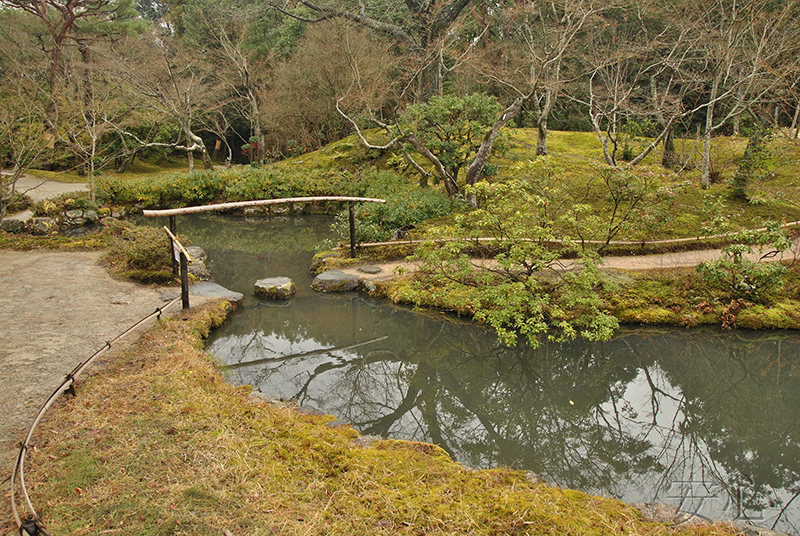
196,253
335,281
213,290
274,288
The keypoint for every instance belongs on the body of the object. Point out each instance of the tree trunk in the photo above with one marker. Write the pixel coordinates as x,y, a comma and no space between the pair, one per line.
86,56
705,180
795,126
541,136
55,73
196,142
541,123
126,161
256,125
428,82
207,162
485,150
668,157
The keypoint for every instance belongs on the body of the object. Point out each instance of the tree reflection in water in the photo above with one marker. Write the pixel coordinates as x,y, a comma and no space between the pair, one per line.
701,419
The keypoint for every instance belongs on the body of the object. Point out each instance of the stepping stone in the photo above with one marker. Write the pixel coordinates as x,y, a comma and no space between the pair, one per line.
335,281
370,269
274,288
207,289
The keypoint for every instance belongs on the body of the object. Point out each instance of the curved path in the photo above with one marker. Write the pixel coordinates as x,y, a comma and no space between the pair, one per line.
665,261
37,189
56,310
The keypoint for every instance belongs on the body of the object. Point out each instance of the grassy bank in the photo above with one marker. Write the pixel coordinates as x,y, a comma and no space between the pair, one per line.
157,443
673,297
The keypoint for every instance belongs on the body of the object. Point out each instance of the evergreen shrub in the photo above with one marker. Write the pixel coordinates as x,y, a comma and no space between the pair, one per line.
406,204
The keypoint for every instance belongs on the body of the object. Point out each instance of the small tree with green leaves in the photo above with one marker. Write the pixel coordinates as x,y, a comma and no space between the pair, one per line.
452,127
742,269
525,290
633,200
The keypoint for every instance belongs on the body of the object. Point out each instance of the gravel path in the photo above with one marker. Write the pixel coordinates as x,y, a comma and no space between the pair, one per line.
56,310
38,189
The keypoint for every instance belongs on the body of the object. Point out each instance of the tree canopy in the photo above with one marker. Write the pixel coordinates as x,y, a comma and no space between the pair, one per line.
107,80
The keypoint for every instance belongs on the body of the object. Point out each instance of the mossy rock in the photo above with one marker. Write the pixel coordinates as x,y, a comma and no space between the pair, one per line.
650,315
318,264
784,315
274,288
336,281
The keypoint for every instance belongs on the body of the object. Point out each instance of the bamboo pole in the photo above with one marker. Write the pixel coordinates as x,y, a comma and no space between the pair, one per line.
180,246
173,227
352,230
184,264
260,202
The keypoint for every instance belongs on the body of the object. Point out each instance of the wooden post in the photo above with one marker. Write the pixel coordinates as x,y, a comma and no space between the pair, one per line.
184,262
352,230
173,227
184,280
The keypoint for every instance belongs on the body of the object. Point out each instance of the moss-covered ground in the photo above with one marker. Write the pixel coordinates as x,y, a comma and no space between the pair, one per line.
157,443
773,191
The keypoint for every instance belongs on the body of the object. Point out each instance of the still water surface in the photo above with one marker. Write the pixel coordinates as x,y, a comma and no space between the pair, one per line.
702,419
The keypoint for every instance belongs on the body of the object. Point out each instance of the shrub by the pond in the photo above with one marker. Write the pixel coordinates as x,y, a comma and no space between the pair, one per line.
77,200
163,191
269,183
240,184
18,203
138,252
406,204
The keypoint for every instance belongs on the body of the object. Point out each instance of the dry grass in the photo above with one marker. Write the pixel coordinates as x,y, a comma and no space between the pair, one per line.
158,443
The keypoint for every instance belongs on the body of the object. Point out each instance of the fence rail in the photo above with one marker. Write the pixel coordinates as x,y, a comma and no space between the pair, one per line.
32,525
173,212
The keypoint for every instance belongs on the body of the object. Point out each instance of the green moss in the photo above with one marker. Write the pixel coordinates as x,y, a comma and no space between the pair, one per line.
176,449
24,242
783,315
648,315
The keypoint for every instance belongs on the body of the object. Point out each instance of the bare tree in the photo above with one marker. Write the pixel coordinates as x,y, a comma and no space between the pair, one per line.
96,113
417,27
550,30
174,84
24,141
739,45
242,70
635,77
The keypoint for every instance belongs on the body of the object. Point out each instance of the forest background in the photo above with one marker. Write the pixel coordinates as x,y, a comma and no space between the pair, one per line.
90,85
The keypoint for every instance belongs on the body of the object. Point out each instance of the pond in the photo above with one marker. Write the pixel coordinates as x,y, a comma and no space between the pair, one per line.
703,419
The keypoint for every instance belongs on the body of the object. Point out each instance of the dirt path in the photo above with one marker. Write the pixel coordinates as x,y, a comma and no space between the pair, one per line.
37,189
645,262
56,310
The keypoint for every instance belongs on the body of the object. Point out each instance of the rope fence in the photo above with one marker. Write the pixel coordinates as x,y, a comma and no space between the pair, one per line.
32,525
